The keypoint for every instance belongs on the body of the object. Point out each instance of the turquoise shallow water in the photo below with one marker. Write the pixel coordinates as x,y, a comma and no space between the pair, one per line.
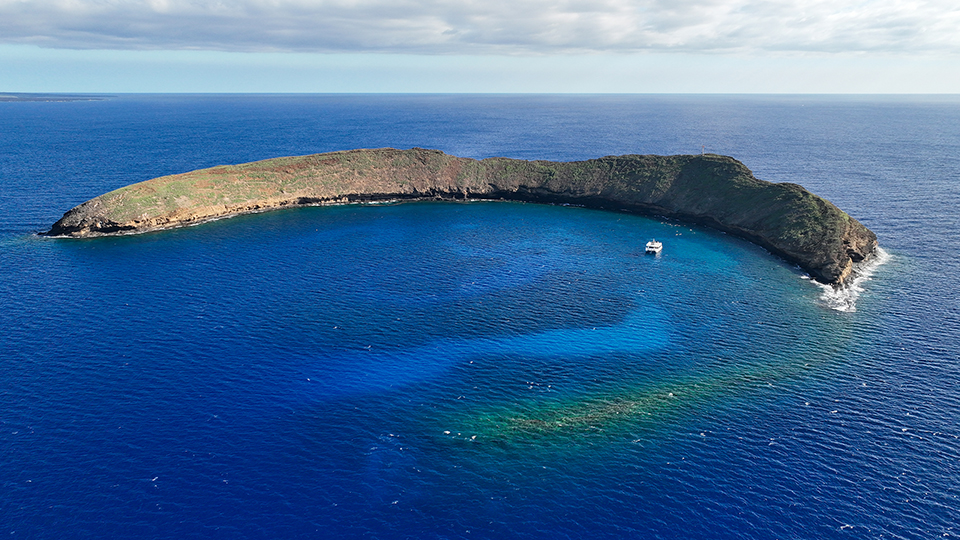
475,369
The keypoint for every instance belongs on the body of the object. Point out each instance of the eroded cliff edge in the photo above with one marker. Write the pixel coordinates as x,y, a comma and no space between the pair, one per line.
714,190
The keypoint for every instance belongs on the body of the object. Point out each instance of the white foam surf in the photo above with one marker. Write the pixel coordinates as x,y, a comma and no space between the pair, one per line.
845,298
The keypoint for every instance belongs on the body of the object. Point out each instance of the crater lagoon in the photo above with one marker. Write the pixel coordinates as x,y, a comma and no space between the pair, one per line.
477,369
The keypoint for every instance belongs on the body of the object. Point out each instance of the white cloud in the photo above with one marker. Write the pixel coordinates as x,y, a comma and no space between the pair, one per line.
488,26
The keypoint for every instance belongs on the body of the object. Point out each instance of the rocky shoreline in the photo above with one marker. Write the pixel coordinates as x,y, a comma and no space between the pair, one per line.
712,190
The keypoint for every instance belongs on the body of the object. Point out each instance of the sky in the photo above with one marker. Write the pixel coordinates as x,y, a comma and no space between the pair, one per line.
578,46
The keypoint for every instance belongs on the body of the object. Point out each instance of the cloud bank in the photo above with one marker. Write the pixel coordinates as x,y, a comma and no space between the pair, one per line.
487,26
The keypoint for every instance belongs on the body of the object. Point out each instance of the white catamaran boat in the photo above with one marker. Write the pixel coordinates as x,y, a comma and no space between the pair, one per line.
654,247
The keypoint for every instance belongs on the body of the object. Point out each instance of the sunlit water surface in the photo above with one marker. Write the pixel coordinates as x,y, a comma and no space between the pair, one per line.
477,369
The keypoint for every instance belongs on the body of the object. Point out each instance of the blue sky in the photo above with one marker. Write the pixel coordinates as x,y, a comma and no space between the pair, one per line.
701,46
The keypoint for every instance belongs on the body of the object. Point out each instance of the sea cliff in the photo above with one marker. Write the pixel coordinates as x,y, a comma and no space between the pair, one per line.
709,189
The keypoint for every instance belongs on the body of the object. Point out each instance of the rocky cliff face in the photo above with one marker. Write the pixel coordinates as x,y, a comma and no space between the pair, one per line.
714,190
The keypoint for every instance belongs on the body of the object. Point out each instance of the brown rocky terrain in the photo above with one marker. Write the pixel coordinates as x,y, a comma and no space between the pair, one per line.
708,189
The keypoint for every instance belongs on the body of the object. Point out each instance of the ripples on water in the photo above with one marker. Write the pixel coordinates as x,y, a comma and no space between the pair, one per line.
425,370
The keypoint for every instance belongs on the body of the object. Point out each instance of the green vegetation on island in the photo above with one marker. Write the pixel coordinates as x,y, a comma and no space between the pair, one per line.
708,189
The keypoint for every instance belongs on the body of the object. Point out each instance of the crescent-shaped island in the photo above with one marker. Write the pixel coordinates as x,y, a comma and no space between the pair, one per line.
709,189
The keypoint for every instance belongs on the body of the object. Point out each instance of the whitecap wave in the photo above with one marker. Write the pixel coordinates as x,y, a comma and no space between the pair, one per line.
845,298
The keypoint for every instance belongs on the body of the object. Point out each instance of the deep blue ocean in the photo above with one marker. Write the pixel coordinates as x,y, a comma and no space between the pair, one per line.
477,369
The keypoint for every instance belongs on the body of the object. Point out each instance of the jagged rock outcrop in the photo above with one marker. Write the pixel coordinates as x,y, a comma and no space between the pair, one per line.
714,190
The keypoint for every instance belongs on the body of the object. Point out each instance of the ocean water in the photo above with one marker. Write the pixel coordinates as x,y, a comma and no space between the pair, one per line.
478,369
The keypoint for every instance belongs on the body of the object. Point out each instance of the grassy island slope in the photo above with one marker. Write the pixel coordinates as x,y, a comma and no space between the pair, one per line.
710,189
